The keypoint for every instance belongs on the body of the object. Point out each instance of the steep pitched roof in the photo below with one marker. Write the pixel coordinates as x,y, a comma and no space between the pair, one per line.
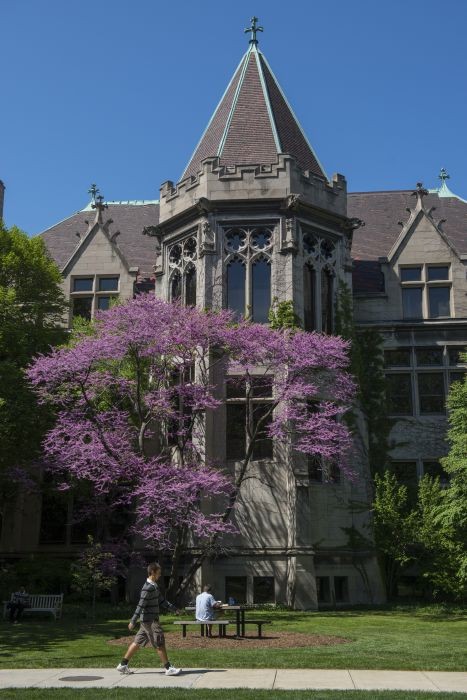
253,123
129,218
381,212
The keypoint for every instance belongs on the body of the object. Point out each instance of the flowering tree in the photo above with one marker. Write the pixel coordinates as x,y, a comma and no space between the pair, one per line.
132,399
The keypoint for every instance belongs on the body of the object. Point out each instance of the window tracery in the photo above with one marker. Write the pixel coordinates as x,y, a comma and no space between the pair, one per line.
247,258
182,258
319,272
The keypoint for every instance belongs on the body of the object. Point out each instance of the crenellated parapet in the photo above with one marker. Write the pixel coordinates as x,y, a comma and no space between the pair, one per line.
248,182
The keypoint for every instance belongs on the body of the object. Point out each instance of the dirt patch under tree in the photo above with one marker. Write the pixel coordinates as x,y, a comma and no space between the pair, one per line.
271,639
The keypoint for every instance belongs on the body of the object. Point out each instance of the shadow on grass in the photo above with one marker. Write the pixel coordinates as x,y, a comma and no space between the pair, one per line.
50,635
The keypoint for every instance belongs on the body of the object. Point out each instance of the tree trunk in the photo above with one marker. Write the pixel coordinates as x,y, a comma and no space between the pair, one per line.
291,519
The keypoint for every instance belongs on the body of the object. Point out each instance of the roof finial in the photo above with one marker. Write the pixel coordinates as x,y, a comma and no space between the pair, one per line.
93,190
443,175
97,203
420,192
253,29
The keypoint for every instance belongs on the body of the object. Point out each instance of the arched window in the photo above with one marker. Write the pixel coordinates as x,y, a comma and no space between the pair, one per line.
248,271
309,298
261,290
176,286
327,301
236,286
182,265
320,259
190,286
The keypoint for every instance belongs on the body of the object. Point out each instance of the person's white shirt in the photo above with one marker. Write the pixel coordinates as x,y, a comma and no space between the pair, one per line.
205,606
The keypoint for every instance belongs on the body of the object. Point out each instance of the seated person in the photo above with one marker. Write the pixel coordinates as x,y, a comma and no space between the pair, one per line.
19,602
205,607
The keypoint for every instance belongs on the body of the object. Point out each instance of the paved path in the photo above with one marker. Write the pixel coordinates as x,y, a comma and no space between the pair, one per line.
293,679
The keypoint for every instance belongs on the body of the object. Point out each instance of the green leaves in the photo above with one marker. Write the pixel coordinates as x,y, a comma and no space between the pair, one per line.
31,307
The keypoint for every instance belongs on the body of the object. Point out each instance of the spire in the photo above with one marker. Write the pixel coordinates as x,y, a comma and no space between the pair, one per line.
253,121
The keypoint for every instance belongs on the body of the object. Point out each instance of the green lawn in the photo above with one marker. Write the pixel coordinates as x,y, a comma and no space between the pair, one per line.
236,694
419,638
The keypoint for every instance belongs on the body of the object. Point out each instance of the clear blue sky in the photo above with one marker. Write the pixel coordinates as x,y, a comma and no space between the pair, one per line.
118,92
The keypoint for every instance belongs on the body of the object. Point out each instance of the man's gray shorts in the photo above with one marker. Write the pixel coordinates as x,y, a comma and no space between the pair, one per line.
150,633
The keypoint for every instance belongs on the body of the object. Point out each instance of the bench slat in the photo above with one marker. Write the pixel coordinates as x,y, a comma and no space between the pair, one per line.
202,622
41,602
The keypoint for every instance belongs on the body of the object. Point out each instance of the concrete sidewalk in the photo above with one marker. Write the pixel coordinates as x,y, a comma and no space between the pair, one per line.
284,679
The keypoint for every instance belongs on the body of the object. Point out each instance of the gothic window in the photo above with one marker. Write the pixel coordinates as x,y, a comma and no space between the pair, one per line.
236,278
248,271
190,286
182,270
326,301
309,302
320,258
175,286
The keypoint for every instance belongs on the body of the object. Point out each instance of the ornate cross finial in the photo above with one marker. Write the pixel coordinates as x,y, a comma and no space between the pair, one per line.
443,175
253,29
420,191
99,206
93,190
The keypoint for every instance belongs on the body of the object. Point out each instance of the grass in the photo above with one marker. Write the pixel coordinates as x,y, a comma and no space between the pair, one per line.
234,694
410,638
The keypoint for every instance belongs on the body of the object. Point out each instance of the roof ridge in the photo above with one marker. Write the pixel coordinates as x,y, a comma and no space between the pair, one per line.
380,192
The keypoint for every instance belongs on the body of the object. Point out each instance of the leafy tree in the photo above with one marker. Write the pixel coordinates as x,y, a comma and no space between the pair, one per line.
441,552
394,524
453,514
95,571
282,315
31,307
133,398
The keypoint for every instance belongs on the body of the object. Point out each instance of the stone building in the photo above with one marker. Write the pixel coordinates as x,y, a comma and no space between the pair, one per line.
254,218
409,282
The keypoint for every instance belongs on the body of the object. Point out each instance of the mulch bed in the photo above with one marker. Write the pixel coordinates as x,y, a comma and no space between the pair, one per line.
278,640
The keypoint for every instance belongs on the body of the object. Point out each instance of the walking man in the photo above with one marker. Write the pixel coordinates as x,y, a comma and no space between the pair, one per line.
150,631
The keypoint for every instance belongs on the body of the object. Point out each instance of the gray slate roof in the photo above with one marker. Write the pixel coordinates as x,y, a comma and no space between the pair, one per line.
253,123
128,218
381,212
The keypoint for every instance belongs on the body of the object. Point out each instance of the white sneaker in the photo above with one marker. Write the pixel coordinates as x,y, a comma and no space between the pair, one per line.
123,668
172,671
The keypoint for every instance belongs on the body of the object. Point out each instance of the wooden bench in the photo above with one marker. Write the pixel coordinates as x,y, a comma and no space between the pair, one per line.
259,623
40,603
222,624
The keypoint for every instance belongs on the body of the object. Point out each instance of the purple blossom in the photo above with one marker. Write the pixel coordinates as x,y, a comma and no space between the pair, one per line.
132,397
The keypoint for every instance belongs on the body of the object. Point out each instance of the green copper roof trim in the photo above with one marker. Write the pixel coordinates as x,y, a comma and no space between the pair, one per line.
127,202
212,116
444,191
267,100
294,116
245,59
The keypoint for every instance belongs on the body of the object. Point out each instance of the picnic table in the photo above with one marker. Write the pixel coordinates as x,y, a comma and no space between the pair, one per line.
240,620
